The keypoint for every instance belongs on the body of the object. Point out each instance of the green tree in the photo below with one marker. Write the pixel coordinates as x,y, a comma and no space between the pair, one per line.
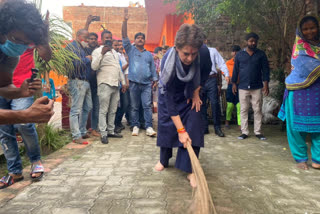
274,20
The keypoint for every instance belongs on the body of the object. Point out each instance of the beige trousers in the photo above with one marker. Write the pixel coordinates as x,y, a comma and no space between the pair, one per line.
255,98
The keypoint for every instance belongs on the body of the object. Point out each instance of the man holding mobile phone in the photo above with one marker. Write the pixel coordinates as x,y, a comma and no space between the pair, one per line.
20,36
106,61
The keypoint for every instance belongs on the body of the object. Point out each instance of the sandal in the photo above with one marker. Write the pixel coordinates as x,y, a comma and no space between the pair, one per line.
37,168
8,180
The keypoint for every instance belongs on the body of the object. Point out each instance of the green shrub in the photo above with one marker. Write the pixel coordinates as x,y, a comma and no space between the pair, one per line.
51,139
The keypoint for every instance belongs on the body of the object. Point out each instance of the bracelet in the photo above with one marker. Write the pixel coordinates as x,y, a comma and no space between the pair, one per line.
182,130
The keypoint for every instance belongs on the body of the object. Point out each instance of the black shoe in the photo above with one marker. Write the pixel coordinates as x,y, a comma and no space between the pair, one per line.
86,136
242,137
219,133
261,137
122,126
104,140
115,135
118,129
206,131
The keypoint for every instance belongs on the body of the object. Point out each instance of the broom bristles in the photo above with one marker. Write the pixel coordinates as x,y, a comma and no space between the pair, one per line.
201,198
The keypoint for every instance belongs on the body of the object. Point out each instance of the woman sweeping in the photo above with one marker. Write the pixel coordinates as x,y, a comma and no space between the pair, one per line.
301,106
179,117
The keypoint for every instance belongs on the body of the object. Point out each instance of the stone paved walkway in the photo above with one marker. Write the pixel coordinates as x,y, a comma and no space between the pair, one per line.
250,176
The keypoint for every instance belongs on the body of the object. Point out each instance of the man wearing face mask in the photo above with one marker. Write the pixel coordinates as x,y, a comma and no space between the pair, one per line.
79,87
17,34
251,66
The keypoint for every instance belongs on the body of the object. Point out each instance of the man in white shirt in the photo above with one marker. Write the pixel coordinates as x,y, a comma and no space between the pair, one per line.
210,90
106,62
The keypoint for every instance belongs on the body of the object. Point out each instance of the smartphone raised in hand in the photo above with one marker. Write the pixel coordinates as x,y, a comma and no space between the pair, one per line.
96,18
34,74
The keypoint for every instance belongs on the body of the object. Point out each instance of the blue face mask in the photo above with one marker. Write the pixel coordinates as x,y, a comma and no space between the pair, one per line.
12,49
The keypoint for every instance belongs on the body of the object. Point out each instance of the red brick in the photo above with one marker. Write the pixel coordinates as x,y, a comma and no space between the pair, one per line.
112,17
20,185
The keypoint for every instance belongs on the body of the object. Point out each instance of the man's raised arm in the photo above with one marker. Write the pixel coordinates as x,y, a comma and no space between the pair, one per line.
124,24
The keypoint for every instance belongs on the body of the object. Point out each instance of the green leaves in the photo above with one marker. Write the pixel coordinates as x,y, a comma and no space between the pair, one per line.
274,20
59,34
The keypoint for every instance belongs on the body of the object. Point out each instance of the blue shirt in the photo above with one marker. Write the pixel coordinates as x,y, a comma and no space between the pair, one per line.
251,70
82,67
141,65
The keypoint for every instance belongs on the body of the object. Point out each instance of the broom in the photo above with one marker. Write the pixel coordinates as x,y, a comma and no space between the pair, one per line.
201,198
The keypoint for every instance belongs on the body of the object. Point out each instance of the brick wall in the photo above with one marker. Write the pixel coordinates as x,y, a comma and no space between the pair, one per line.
223,36
112,17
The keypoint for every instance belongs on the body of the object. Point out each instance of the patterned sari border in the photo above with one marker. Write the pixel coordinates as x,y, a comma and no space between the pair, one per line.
312,77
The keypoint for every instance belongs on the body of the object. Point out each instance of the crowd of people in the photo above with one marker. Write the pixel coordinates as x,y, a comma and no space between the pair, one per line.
121,78
117,79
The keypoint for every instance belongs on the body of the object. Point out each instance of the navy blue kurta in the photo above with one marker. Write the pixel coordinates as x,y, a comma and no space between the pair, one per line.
174,103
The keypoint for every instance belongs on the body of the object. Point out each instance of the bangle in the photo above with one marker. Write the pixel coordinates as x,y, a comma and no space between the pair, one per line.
182,130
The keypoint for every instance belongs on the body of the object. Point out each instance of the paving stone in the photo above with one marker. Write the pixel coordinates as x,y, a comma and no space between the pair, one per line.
148,203
84,192
119,206
140,192
149,210
115,195
101,206
247,176
69,210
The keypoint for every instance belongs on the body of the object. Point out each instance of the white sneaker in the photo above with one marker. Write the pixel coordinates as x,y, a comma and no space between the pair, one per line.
150,132
135,131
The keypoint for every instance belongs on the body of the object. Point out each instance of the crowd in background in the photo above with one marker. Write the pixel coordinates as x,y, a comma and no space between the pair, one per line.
116,78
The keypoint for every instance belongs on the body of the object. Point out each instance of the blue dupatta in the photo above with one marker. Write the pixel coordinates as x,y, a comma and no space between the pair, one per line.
305,64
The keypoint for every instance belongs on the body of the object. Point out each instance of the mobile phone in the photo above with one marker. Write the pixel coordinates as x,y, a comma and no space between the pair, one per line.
96,18
108,43
34,74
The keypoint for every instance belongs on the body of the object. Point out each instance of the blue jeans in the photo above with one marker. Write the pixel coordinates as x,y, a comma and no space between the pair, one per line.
8,136
210,90
81,105
95,109
140,94
124,107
